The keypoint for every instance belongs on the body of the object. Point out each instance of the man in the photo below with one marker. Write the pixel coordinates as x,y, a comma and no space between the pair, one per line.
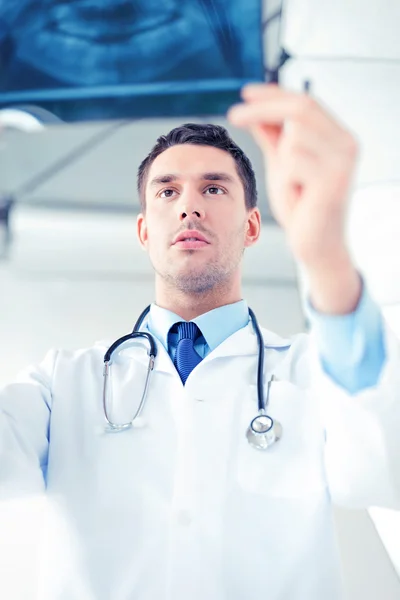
183,506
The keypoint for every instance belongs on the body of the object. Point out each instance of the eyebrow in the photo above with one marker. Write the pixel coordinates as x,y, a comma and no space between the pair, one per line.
171,177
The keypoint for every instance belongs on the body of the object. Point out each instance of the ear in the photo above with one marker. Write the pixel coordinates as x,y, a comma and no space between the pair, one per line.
253,227
141,230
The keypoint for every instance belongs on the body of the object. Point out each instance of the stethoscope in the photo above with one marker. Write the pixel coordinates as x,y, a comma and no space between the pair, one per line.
262,432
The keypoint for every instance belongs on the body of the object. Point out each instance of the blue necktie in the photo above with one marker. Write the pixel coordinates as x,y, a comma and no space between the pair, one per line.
186,357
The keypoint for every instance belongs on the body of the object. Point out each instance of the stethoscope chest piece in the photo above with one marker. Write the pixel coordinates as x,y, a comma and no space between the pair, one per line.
263,432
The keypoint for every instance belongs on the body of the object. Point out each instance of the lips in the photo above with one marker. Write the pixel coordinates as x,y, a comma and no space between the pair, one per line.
190,240
191,235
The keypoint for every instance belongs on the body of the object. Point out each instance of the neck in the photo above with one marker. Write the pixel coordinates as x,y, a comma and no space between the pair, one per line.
190,305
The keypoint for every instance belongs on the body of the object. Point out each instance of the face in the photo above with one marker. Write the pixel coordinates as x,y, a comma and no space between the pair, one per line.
196,224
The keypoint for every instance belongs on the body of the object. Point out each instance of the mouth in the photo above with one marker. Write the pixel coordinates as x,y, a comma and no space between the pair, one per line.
190,240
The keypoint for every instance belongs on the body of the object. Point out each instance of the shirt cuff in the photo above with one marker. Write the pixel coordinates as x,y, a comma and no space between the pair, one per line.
351,347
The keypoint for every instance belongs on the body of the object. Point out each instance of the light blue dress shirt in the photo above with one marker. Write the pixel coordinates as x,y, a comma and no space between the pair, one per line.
351,346
216,326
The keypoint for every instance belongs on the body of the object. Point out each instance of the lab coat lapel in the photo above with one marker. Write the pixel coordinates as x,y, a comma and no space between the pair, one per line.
244,343
240,343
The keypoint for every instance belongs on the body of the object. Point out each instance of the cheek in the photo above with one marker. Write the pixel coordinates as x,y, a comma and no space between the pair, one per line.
157,236
234,230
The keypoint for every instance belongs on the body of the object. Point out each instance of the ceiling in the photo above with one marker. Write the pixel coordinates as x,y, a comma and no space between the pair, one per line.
91,165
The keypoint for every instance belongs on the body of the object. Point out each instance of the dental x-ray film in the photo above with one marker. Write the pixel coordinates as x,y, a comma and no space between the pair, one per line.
106,59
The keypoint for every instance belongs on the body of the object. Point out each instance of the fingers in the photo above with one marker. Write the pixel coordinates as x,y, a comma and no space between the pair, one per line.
298,175
270,111
272,105
267,136
312,158
302,142
260,91
277,110
298,138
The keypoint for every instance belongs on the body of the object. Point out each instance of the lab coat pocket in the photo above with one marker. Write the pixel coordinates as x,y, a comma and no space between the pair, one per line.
292,466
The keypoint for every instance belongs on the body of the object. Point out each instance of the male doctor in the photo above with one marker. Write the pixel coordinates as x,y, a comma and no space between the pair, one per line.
184,507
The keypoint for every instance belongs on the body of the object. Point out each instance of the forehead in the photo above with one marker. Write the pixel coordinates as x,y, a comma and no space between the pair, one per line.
191,160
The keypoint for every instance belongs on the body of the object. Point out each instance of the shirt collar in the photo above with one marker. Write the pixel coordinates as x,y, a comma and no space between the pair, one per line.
216,325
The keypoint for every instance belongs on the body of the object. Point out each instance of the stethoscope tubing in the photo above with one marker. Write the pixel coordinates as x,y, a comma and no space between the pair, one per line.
258,438
262,406
152,353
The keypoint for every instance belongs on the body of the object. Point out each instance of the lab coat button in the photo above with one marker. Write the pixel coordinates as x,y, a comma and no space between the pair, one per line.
183,518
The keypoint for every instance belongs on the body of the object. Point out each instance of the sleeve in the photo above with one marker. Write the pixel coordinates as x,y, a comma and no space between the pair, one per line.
362,429
350,347
25,408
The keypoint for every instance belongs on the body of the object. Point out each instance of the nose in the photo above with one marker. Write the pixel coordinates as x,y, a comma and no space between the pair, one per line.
191,212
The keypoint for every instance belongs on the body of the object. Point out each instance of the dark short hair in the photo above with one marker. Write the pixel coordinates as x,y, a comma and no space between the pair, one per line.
202,135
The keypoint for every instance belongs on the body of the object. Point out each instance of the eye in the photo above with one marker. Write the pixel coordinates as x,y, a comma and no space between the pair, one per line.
166,193
215,191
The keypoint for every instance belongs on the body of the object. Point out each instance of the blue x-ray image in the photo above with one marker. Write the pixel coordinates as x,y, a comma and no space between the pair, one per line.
92,59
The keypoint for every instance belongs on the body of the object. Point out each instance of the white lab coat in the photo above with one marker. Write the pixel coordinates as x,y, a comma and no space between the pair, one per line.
183,508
